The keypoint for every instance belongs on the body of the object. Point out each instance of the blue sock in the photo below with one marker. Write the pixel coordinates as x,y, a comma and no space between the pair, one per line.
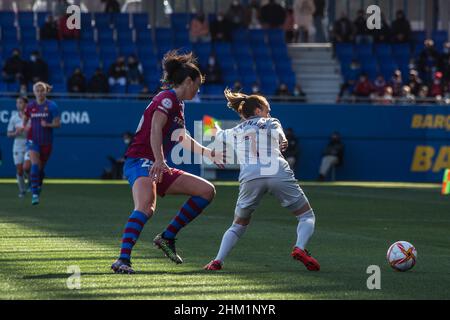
131,233
188,212
35,178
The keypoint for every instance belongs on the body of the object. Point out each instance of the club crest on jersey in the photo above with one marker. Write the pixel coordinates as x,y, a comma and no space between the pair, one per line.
166,103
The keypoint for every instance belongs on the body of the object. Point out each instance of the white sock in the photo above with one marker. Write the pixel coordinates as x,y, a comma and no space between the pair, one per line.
229,240
305,228
21,183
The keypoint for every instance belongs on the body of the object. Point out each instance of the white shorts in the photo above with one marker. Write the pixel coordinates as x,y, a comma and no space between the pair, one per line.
20,155
288,193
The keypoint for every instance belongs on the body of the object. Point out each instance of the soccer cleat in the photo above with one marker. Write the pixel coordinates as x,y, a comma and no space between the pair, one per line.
168,247
305,257
35,199
213,265
122,266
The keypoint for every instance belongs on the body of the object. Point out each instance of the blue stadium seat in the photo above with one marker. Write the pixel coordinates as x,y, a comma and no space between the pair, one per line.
118,89
125,36
264,66
26,19
12,87
7,18
261,52
49,46
276,37
383,49
146,50
240,36
162,50
222,49
41,16
108,50
121,20
9,34
164,35
212,89
128,50
87,34
344,49
419,36
134,88
140,20
249,78
59,88
289,78
86,20
180,21
91,63
257,37
363,49
103,20
105,36
88,49
69,46
28,32
144,37
202,49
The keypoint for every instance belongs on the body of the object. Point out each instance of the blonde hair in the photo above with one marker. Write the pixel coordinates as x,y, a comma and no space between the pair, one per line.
244,104
46,86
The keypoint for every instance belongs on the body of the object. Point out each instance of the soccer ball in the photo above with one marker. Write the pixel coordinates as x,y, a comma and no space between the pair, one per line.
402,256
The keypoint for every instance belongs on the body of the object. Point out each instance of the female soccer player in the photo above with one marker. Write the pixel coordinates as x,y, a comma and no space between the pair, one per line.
145,165
43,115
258,140
16,131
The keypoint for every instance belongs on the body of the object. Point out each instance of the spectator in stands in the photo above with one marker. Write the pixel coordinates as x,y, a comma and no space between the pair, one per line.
116,169
76,82
99,82
236,15
199,28
145,93
14,68
428,61
237,86
254,15
283,91
444,61
289,26
318,15
221,28
59,8
437,89
414,82
361,32
379,85
363,88
343,29
49,29
118,72
291,153
383,34
36,69
64,32
272,15
396,82
23,90
303,18
387,97
332,156
423,95
256,88
298,94
212,71
406,96
401,29
135,72
111,6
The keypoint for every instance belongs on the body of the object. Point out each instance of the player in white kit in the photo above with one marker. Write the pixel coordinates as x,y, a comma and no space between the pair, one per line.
17,131
258,142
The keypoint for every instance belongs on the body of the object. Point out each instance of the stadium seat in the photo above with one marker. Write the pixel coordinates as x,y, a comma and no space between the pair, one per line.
118,89
128,50
344,49
7,18
257,37
164,36
49,46
222,49
41,16
86,20
240,36
419,36
383,49
276,37
125,38
121,21
87,34
103,21
26,19
105,36
363,49
69,46
144,37
134,88
12,87
9,34
180,21
140,21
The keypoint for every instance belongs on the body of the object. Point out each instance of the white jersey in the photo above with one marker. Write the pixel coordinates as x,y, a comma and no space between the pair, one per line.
17,122
256,142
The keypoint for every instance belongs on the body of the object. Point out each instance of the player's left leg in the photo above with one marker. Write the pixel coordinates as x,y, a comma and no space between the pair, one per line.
35,175
46,151
201,194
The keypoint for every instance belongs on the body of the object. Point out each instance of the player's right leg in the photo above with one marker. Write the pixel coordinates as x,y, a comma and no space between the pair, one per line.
19,157
35,173
144,197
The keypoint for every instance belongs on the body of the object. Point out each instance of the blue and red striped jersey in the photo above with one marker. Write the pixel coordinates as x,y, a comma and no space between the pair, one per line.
36,113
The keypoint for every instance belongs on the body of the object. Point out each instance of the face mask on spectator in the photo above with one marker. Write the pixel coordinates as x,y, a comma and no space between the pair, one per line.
33,58
211,61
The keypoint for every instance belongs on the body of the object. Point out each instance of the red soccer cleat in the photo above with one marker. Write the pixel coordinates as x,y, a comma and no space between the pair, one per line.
213,265
305,257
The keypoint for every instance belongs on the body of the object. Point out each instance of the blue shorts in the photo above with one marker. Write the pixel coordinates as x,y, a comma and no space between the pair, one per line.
135,168
43,150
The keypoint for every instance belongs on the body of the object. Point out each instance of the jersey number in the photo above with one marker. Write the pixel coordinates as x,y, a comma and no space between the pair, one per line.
147,163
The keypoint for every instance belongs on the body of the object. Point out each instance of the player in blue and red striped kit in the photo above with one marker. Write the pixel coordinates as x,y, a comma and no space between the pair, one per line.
41,117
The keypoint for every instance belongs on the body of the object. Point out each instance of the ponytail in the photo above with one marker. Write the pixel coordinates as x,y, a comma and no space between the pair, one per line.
244,104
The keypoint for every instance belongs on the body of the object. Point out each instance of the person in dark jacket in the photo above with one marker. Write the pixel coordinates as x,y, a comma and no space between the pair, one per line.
49,29
213,73
220,28
401,28
76,82
99,82
14,68
361,30
272,15
37,68
333,155
343,29
429,60
318,15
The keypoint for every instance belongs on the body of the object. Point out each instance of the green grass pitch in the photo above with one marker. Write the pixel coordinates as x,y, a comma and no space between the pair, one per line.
80,224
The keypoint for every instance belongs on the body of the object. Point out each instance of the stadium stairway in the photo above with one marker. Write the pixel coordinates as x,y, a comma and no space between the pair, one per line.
316,71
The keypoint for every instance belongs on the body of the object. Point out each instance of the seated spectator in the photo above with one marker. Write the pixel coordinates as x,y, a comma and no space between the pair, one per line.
59,8
145,93
332,156
303,18
444,61
387,97
14,68
236,15
212,71
290,32
272,15
64,33
406,96
414,82
111,6
361,32
437,90
49,29
428,61
199,28
383,34
423,96
118,72
401,28
291,153
220,28
363,88
237,86
256,89
379,85
99,82
343,29
396,82
298,94
37,69
254,15
134,71
283,91
76,82
116,169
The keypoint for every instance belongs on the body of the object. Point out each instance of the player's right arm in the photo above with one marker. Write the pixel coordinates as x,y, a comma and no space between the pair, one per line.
159,120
